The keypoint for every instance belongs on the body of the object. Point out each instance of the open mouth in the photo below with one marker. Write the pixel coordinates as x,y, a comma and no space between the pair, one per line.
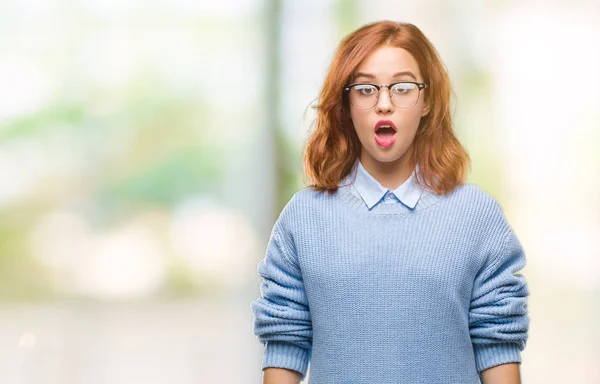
385,133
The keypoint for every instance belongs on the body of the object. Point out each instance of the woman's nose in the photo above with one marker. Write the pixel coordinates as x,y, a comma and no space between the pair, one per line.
384,103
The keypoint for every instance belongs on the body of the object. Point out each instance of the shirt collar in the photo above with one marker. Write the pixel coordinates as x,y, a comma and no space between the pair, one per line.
371,191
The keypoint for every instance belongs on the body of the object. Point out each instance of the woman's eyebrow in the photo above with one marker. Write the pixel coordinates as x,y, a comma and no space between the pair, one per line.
397,74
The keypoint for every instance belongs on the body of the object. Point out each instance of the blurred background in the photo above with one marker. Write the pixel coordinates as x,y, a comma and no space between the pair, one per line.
147,147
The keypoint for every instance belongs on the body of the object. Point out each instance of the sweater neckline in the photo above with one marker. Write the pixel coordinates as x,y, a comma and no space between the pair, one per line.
427,200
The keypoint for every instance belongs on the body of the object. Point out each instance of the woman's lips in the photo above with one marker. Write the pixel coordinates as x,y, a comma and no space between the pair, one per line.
385,133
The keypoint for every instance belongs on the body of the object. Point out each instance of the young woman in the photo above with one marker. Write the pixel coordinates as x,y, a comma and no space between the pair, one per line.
388,267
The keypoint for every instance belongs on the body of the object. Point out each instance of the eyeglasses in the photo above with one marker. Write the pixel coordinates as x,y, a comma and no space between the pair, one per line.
404,94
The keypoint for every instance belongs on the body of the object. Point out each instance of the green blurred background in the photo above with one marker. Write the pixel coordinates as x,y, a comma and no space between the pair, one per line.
146,149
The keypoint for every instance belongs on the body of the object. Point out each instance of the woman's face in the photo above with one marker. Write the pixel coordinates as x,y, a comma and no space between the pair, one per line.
388,145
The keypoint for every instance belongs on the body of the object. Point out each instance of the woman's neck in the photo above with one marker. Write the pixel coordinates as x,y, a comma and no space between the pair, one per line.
390,175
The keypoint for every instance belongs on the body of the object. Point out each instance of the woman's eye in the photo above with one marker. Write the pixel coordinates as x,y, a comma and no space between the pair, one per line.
403,89
367,91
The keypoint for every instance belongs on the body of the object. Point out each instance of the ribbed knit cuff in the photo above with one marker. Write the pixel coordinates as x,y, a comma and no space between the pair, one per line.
490,355
281,354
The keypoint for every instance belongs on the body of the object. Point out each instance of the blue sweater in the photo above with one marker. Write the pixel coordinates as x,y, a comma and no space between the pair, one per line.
405,286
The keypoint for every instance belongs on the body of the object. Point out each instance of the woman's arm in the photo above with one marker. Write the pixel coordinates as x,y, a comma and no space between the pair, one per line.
282,319
281,376
502,374
498,314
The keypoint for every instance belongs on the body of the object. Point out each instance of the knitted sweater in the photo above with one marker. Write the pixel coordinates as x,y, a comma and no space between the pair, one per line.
389,293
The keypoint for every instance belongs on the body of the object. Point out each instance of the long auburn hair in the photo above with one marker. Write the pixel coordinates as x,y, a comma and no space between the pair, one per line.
333,147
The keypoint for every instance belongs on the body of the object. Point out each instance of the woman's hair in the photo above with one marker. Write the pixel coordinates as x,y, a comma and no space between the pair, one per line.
333,147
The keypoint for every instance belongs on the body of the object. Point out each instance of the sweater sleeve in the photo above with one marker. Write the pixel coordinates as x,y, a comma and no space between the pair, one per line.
282,321
498,318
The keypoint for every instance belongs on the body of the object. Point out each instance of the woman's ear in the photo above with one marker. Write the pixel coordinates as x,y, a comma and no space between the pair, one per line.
426,108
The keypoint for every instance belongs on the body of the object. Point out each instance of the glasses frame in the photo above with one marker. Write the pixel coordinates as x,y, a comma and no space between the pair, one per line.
421,86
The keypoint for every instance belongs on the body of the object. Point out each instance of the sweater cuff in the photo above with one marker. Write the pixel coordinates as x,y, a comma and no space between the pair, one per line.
490,355
281,354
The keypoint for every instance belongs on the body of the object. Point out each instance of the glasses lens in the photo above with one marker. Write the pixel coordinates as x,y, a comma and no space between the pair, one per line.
404,95
363,96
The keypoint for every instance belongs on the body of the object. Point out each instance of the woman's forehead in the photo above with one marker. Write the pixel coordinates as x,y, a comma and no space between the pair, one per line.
388,62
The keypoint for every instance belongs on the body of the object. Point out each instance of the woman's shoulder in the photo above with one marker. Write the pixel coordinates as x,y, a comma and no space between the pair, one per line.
309,195
472,190
472,197
305,203
306,198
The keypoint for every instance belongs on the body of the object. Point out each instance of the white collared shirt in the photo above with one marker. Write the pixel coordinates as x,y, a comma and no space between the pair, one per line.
372,192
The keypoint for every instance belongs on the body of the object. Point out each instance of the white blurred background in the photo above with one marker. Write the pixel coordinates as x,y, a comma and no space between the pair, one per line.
147,147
